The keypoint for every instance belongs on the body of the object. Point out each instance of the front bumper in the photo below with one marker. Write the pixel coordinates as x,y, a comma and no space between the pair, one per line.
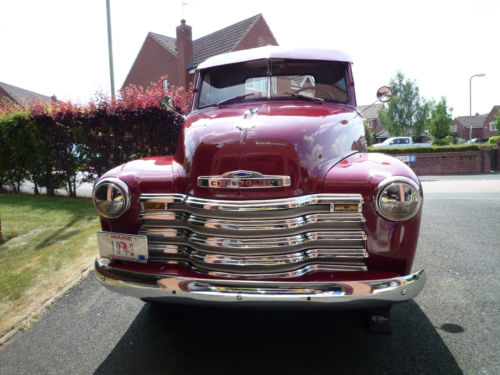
355,294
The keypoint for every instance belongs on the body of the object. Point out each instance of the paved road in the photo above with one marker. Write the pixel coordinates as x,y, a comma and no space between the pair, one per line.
451,328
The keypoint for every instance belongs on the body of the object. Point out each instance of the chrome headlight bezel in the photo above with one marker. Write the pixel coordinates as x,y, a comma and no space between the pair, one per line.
390,182
121,187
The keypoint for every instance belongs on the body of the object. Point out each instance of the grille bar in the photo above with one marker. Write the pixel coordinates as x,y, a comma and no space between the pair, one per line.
250,238
250,208
157,222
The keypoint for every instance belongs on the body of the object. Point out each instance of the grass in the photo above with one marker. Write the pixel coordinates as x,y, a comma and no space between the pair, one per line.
47,242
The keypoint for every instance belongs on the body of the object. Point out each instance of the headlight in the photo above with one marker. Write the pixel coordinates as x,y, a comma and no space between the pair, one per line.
111,197
398,198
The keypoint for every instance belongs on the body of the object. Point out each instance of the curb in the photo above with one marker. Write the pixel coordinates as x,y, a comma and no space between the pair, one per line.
35,315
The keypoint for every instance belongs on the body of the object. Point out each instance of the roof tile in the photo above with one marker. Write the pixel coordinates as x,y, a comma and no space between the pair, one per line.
477,121
221,41
370,111
21,95
165,41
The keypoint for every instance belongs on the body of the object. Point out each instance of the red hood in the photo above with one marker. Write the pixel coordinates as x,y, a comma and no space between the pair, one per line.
299,139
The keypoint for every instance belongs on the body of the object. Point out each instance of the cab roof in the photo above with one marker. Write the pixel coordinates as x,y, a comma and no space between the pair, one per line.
275,52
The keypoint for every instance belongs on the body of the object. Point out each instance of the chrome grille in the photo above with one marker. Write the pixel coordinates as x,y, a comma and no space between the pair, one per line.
256,238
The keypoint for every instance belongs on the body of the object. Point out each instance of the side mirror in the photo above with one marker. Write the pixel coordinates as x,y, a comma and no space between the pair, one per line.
167,102
384,94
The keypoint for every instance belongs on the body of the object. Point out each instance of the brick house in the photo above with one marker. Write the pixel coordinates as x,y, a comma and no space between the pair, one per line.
177,58
370,113
19,95
482,125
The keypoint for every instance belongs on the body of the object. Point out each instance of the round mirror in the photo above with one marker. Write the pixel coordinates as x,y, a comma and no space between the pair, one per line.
384,94
168,103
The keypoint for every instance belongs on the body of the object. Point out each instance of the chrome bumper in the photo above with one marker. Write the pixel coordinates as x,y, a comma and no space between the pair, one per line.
355,294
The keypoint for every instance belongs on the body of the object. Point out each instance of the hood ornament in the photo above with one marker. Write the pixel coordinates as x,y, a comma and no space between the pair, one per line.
243,180
249,120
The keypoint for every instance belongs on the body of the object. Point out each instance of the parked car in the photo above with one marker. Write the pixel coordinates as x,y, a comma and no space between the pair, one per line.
400,142
271,197
477,140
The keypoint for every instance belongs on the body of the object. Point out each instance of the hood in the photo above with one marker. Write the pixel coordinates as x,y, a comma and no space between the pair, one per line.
299,139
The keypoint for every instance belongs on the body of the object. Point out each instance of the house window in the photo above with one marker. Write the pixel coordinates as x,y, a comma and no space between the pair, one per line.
256,84
259,84
299,82
492,126
455,128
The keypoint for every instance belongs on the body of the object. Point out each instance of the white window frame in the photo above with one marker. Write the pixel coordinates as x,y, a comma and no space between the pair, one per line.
492,126
257,84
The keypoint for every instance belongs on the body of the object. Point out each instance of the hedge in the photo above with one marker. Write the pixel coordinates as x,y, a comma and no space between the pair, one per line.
431,149
50,144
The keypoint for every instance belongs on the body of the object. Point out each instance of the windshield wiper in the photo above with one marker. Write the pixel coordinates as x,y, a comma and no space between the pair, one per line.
239,97
299,95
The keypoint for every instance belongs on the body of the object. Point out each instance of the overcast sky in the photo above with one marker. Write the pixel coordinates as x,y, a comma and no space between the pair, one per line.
60,46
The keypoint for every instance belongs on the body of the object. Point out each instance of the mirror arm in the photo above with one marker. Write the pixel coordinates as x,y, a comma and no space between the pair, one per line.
168,103
384,94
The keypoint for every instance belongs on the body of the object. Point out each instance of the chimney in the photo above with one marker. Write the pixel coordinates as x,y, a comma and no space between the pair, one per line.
184,44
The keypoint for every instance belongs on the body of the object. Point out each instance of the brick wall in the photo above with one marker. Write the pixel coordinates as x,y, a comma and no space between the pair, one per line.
153,61
456,162
184,43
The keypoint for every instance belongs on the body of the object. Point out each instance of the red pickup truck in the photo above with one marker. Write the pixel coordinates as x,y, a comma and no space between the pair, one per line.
270,198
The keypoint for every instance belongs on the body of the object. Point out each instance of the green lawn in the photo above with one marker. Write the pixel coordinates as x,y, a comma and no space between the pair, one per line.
46,243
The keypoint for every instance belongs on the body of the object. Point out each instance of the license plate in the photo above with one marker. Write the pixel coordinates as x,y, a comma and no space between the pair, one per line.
122,246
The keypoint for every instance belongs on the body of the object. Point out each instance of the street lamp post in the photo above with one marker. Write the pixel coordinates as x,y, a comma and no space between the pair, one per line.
470,103
110,50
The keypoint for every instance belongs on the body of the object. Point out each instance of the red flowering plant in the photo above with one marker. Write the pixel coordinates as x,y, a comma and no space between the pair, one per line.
61,144
133,126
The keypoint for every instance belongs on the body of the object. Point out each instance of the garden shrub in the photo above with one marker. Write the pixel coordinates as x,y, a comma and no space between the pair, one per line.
440,141
50,143
430,149
451,140
494,139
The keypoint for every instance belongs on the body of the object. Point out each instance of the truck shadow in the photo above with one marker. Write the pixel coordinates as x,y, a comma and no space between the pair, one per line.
187,340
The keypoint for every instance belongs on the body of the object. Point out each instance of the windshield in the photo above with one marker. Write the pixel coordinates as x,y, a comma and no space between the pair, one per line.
270,79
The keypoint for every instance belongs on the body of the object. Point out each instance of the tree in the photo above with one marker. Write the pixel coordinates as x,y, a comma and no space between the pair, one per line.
440,120
407,113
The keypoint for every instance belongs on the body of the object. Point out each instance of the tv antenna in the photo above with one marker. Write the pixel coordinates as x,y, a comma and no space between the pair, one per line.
183,5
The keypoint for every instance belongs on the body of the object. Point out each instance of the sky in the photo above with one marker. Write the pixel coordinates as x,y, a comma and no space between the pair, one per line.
59,47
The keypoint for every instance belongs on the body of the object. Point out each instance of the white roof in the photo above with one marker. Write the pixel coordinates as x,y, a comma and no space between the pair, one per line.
270,52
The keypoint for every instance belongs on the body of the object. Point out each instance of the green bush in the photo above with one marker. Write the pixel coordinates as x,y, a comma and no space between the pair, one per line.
494,139
431,149
451,140
440,141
